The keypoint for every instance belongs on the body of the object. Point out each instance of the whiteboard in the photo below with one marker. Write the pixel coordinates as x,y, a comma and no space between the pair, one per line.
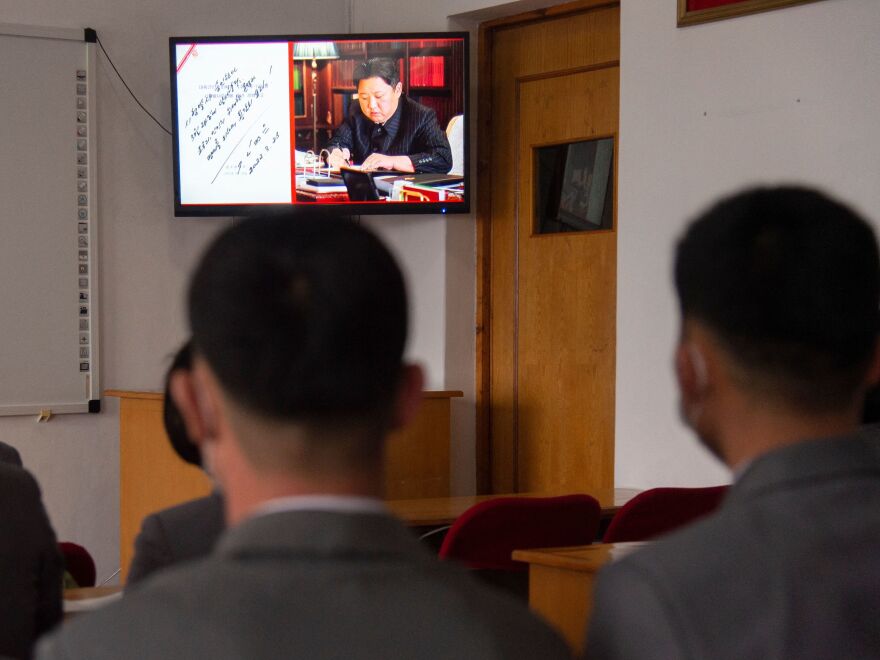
49,360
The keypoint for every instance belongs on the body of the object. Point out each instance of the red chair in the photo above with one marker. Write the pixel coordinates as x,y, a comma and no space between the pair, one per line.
484,536
79,563
660,510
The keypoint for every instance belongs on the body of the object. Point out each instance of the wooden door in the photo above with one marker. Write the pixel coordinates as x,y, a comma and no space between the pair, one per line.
546,350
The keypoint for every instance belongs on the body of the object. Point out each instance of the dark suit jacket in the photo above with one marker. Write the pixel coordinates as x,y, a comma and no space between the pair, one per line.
9,454
313,585
179,533
789,567
412,131
30,564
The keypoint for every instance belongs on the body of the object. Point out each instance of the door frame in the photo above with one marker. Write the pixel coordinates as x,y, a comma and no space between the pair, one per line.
485,46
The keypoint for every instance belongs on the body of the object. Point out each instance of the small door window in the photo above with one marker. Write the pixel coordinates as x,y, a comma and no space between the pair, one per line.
574,186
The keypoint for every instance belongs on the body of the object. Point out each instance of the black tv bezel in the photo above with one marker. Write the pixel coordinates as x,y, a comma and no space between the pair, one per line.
337,208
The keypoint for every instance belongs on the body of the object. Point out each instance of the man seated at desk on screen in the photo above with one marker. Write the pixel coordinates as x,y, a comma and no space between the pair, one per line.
390,131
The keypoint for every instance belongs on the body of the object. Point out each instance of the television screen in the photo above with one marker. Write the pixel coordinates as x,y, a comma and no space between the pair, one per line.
354,123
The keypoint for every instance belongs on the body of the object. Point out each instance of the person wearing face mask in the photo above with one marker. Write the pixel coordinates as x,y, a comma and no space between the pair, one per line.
388,130
186,531
778,291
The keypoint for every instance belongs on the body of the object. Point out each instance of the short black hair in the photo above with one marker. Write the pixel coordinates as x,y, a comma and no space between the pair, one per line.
302,318
788,279
171,417
377,67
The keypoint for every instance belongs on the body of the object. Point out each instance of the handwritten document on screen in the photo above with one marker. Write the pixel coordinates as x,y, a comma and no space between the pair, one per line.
234,123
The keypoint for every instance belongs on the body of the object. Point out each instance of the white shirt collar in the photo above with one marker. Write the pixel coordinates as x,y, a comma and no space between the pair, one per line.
337,503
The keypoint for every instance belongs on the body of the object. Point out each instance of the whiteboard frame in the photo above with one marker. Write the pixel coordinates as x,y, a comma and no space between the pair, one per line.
92,394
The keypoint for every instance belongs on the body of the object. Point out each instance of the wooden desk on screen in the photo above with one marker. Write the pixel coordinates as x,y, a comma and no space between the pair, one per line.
439,511
561,584
152,476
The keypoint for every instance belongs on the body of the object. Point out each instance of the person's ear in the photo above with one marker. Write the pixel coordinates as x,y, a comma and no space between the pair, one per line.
690,369
193,402
398,88
409,396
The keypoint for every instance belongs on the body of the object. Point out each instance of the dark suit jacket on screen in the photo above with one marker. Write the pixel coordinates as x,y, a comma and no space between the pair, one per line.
312,585
30,564
411,131
789,567
179,533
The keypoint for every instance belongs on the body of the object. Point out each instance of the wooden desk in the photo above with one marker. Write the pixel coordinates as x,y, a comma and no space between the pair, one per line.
89,593
561,584
152,476
438,511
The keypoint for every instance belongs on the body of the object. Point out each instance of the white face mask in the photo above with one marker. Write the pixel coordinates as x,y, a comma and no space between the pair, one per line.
691,413
207,446
208,462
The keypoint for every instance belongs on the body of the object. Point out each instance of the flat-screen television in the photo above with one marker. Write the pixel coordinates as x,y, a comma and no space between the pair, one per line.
351,123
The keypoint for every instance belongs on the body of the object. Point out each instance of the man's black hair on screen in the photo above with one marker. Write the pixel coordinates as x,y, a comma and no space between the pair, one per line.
377,67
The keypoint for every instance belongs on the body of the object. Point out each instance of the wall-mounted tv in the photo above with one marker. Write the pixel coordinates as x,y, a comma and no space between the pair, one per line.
355,124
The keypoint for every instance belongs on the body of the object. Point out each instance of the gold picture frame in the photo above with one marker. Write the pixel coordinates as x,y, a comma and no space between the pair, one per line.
732,8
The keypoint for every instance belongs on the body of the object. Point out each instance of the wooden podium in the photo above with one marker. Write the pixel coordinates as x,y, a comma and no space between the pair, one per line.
153,477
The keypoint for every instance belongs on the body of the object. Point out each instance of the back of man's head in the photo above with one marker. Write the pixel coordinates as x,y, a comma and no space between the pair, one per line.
786,279
302,319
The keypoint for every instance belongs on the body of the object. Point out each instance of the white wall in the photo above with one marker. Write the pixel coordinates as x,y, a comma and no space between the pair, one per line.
146,254
787,95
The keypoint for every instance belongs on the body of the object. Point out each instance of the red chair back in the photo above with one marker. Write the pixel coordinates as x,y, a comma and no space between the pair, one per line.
485,535
79,563
660,510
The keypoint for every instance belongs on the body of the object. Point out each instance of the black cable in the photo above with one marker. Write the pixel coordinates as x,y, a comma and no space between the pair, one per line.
107,55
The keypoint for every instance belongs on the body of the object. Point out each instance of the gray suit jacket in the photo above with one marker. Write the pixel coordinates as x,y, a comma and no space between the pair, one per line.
314,585
176,534
30,564
789,567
